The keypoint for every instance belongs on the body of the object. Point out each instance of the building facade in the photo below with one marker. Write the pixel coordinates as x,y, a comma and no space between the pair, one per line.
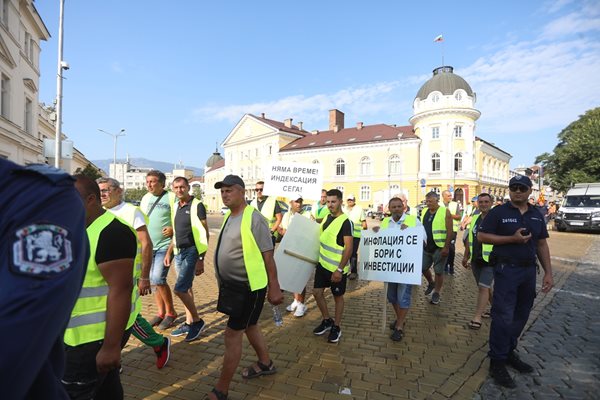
438,151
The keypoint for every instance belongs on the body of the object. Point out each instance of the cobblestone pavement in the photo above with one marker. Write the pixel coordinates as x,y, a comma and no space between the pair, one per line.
438,358
563,342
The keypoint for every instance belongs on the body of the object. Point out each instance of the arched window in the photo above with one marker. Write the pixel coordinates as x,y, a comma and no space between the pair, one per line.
365,166
435,162
365,193
458,159
394,164
340,167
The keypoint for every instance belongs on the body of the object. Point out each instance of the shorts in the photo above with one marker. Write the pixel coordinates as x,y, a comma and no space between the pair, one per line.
484,274
436,259
323,280
185,264
252,308
158,271
400,294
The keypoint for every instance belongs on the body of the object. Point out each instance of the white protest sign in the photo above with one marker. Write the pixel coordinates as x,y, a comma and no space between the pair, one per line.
293,179
297,254
391,255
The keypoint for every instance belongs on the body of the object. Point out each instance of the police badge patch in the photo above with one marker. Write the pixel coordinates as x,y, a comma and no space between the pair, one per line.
42,250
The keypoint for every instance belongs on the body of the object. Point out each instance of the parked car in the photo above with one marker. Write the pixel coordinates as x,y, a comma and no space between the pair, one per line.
307,208
224,210
580,209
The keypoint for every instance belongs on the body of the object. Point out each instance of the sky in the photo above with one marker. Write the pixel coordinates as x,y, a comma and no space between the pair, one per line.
179,75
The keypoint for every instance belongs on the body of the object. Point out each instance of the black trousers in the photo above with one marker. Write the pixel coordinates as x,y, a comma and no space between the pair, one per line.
82,380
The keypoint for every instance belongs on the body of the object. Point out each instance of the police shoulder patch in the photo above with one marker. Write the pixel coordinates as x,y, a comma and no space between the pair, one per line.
41,250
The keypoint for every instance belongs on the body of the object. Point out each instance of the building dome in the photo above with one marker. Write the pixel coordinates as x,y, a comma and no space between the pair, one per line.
445,81
215,158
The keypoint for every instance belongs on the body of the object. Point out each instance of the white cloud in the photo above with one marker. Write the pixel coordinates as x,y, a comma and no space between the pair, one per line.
369,99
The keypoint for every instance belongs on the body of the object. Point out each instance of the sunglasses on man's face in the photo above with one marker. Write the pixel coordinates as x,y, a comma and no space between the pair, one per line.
518,188
259,189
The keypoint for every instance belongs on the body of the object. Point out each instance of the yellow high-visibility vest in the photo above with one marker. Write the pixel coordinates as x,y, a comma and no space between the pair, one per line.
267,210
410,221
438,227
354,216
486,248
253,259
198,231
330,253
88,318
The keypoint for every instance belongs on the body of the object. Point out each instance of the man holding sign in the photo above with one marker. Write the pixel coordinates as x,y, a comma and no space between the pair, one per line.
398,294
332,269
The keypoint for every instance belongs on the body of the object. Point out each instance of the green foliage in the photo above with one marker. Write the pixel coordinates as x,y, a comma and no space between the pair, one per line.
197,192
89,171
576,157
134,195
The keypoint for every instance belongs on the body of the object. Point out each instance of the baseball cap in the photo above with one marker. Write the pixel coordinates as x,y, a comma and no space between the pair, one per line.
230,180
297,197
520,180
474,198
351,197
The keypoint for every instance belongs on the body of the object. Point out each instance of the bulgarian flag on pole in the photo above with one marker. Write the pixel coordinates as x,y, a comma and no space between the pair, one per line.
439,38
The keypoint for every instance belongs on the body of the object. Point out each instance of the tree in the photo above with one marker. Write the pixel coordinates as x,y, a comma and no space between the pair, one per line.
90,171
134,195
197,192
576,157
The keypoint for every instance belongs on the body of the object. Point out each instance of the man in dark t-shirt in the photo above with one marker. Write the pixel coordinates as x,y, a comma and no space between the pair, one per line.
92,368
333,266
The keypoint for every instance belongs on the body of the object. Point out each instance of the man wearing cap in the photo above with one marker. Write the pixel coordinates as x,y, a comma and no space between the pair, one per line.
269,207
297,305
320,209
518,233
357,216
246,270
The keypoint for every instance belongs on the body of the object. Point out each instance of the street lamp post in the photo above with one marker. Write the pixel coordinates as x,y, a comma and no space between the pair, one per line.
59,80
115,137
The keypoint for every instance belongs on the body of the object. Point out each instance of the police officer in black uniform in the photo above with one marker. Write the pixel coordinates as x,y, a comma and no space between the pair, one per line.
43,253
518,232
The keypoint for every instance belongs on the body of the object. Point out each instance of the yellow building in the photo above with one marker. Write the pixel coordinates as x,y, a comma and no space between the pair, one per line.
438,151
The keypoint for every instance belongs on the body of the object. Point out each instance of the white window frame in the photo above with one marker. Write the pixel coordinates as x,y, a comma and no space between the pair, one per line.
365,166
4,96
458,162
458,131
435,162
394,165
28,115
435,132
340,167
365,193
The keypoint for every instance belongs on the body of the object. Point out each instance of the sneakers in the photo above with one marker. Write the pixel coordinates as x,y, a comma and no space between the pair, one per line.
334,334
397,335
300,310
435,298
181,330
156,320
196,329
162,353
166,323
500,374
325,325
430,288
518,364
293,306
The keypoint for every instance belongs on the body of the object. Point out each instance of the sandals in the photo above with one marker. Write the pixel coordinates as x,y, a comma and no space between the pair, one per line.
218,394
250,372
474,325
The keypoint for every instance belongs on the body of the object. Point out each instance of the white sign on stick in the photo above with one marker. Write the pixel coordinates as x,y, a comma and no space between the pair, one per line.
391,255
293,179
297,254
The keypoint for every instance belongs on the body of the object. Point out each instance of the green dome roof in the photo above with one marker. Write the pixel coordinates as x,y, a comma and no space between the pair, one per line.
212,160
444,80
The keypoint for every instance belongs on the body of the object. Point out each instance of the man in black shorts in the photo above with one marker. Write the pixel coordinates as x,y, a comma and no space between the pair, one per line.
333,266
245,267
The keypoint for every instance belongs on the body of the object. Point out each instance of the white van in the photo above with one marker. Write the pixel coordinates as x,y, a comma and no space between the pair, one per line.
580,209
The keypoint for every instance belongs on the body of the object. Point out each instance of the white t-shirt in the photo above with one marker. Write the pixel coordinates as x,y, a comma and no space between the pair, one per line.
138,219
397,225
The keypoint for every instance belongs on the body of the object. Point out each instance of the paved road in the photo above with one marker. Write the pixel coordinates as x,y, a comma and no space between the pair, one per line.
439,357
563,342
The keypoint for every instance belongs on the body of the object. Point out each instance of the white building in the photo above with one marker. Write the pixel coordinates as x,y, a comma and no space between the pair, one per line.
133,177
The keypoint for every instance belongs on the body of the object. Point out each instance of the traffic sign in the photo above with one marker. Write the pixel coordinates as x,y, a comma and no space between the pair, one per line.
423,181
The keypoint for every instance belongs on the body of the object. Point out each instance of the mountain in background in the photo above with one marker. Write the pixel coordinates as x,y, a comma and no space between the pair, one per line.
145,163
